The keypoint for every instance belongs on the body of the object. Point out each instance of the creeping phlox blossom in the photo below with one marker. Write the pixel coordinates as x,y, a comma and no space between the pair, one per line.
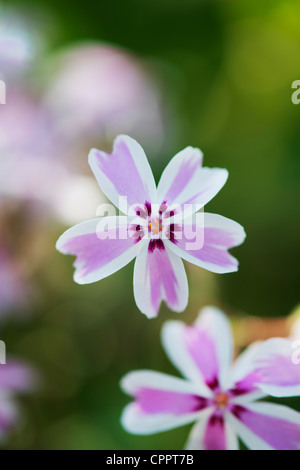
162,225
220,397
15,377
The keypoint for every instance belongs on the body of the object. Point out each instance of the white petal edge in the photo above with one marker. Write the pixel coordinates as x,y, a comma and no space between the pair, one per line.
142,290
141,163
134,380
135,422
115,265
218,327
195,439
172,340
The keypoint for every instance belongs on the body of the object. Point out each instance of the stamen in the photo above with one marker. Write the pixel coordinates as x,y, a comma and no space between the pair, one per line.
221,400
148,207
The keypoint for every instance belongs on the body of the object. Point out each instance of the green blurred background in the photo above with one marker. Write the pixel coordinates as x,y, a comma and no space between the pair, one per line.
226,70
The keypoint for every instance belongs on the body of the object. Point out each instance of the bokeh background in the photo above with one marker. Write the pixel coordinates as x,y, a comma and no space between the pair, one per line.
214,74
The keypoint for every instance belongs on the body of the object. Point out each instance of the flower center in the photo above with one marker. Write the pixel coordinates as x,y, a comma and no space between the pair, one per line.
221,400
156,222
155,226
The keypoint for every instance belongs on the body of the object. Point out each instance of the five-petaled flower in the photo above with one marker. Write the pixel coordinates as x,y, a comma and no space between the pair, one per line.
220,397
15,376
158,225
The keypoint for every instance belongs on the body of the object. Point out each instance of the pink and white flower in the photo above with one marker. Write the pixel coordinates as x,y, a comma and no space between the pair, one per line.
220,397
15,376
156,229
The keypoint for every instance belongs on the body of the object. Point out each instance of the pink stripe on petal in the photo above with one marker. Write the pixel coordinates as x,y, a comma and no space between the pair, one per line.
163,401
184,181
202,352
185,172
218,237
124,172
201,347
159,275
206,242
100,250
271,368
92,253
278,370
214,437
276,431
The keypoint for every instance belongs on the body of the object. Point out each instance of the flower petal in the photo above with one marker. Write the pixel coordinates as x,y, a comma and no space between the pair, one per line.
266,426
159,275
124,173
212,432
102,247
271,368
161,402
16,376
184,181
206,244
202,352
242,377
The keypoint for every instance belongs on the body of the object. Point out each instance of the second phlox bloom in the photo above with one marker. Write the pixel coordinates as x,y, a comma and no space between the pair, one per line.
224,399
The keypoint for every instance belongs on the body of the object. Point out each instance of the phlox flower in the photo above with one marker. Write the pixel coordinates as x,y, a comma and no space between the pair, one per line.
220,396
112,89
15,376
162,225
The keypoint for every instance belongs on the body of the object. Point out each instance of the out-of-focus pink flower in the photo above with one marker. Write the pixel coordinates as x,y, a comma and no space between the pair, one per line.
28,148
16,44
157,230
98,91
15,376
32,164
222,398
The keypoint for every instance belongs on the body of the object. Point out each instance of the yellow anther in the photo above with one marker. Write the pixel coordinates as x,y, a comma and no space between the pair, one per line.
221,400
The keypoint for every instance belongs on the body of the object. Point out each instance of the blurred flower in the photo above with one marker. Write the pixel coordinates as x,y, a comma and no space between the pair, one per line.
98,91
32,160
158,230
17,45
222,398
28,148
15,377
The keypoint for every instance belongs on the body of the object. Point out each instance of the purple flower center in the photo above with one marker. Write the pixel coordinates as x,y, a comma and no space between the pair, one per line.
156,223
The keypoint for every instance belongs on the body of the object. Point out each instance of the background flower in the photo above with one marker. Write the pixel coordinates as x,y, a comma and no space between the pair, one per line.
223,400
15,377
